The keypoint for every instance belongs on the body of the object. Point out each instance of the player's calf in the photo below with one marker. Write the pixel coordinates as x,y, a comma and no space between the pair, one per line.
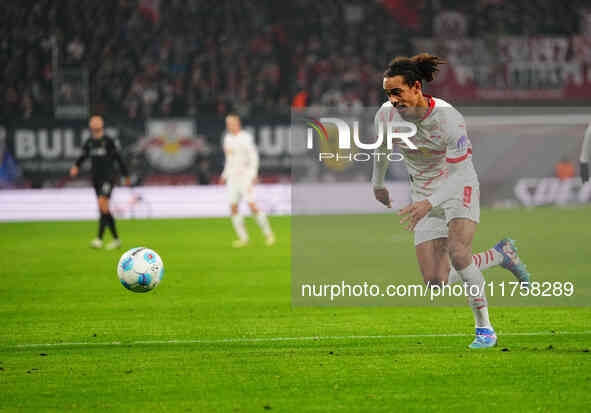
240,229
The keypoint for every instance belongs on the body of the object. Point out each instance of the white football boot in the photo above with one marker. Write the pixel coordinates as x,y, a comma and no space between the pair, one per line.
96,243
239,243
116,243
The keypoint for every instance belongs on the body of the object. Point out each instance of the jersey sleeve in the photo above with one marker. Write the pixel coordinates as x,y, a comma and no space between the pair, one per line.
380,163
458,145
460,169
85,153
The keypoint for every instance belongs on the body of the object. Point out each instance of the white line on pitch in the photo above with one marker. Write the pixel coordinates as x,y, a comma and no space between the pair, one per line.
271,339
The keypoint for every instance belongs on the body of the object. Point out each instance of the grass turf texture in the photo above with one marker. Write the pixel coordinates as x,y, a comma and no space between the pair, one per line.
55,289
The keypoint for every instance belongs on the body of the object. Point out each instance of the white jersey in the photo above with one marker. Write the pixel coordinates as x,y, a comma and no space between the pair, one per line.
242,159
443,143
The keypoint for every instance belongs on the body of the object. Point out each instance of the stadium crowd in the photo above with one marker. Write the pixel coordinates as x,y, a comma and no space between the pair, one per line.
187,57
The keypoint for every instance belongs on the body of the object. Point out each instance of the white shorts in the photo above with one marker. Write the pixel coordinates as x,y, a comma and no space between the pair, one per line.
240,188
434,224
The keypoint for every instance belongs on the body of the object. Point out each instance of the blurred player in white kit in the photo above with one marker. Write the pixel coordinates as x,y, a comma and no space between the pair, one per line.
240,174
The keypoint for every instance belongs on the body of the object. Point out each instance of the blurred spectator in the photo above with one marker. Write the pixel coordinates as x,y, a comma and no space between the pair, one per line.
300,100
564,169
9,170
189,57
75,50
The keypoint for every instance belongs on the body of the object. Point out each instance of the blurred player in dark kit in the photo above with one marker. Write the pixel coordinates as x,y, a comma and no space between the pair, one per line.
103,153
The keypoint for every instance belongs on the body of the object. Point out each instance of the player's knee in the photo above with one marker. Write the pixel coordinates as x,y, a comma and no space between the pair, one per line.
234,209
253,208
459,254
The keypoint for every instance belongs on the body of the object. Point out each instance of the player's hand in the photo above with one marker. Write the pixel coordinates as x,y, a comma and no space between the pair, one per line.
222,180
74,171
127,181
255,180
383,196
413,213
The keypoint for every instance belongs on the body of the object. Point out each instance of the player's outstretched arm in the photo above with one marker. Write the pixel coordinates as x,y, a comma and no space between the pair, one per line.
253,160
379,172
380,166
83,156
122,167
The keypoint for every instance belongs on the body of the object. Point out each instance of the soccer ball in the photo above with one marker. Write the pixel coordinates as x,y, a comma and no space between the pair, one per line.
140,270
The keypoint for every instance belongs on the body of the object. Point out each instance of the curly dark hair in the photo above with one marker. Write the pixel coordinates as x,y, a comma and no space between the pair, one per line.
420,67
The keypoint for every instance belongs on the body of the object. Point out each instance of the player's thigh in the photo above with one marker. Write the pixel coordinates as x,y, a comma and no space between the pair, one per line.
103,203
433,260
249,193
431,246
462,230
462,216
235,191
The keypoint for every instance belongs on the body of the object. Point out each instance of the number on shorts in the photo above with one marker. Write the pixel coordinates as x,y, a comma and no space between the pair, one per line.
106,187
467,196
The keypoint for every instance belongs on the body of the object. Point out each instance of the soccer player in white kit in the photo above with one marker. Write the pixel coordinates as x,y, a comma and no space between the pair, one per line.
444,188
240,173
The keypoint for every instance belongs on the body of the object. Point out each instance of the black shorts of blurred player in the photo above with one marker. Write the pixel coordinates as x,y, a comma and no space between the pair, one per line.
103,189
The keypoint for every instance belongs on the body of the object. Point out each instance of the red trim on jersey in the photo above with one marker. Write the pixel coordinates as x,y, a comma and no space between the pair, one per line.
431,103
461,158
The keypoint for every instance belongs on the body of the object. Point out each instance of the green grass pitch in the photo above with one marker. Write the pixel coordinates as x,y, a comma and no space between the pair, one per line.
241,346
